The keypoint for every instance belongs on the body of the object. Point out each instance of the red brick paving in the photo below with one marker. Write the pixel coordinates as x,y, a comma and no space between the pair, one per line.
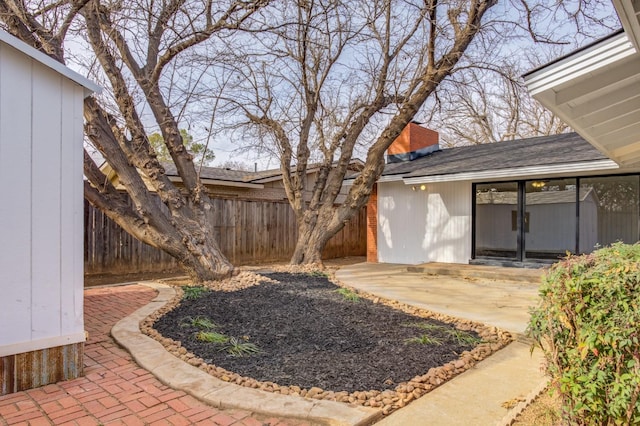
114,389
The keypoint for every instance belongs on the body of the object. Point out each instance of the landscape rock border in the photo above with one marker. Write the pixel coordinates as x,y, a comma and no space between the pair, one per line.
512,415
388,400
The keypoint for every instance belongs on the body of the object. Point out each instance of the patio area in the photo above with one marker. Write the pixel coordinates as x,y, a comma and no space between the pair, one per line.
114,389
117,391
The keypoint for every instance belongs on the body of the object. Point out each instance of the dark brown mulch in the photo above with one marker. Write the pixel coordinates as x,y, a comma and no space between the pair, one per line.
309,335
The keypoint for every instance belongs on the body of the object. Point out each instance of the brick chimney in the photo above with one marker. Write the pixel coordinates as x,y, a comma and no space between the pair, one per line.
414,141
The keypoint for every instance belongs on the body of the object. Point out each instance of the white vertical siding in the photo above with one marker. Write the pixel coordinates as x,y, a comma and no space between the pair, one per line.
15,196
45,203
448,232
402,220
41,210
418,226
72,211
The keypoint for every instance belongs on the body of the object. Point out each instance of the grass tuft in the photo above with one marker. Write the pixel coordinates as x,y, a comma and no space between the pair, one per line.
203,323
212,337
424,339
193,292
461,337
239,348
348,294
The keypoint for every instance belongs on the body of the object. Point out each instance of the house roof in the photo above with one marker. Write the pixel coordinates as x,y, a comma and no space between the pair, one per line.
215,173
247,177
564,151
227,177
89,86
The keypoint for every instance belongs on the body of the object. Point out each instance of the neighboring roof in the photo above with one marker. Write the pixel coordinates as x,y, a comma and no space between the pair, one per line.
539,151
227,177
259,177
47,61
215,173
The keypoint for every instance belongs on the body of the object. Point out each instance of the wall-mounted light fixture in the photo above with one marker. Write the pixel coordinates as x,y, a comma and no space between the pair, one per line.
538,184
423,187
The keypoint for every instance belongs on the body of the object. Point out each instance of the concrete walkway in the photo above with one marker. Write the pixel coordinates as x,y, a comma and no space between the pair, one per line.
475,397
504,304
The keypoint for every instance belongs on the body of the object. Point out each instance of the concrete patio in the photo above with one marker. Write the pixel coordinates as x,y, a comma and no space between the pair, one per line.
492,295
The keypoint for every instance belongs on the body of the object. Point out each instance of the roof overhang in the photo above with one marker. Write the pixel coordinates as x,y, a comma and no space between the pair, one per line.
629,14
532,172
88,85
596,90
585,168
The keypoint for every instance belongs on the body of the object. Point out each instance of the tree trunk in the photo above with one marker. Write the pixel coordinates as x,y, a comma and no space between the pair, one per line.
315,231
205,262
308,250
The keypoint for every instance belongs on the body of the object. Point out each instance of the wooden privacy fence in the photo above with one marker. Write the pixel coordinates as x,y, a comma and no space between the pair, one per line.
248,232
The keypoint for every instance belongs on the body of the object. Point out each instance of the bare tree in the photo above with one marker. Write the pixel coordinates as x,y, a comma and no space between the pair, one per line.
490,105
133,43
339,71
342,75
311,79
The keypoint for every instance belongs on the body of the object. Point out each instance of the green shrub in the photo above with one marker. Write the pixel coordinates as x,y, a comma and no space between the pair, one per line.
587,324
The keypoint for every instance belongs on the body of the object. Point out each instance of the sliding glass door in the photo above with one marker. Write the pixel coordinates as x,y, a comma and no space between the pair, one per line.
550,218
496,220
542,220
608,211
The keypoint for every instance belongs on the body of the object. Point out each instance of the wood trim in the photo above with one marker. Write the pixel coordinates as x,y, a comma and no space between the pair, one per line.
34,345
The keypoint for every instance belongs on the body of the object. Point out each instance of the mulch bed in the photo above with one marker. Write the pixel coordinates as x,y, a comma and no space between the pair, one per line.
314,342
310,335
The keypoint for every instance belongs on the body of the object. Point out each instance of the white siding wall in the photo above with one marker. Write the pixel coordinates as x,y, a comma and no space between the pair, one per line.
41,206
424,226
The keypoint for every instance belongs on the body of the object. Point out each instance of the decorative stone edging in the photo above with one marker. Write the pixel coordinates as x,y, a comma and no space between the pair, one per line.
511,416
387,401
152,356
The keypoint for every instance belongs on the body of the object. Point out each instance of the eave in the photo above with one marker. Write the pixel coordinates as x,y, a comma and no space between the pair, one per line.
531,172
89,86
629,14
596,90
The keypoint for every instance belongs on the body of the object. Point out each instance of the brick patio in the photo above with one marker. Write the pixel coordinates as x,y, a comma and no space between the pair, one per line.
114,390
